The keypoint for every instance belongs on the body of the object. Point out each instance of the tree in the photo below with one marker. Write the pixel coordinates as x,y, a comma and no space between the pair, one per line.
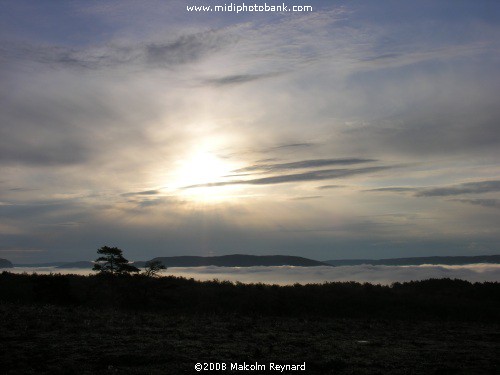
112,262
153,267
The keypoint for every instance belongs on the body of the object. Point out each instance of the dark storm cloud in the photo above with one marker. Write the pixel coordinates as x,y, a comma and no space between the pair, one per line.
298,177
466,188
303,164
238,79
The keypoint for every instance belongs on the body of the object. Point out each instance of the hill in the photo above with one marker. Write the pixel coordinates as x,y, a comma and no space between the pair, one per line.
448,260
237,260
4,263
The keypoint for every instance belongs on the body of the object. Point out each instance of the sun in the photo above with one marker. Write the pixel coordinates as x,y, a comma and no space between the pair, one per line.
193,174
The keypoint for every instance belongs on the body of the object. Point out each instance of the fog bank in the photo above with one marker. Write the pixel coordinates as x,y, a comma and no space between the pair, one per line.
286,275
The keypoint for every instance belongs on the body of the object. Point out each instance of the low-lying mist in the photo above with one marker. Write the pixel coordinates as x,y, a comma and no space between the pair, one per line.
284,275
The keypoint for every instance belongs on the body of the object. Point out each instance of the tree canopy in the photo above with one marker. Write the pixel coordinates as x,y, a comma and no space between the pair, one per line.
113,262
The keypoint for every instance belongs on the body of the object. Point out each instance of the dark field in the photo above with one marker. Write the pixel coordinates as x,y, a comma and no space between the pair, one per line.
42,332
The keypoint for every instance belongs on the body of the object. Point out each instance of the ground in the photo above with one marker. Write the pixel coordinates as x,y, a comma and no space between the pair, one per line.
48,339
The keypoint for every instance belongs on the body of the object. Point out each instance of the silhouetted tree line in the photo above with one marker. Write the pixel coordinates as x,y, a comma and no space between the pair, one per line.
430,299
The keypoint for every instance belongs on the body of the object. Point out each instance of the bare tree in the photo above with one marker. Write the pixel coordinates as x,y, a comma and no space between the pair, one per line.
153,267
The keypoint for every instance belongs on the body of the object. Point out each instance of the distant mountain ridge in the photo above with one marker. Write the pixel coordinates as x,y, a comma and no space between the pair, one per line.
241,260
238,260
416,261
4,263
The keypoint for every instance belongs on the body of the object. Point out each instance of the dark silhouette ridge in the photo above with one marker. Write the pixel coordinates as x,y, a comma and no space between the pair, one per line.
238,260
449,260
433,299
4,263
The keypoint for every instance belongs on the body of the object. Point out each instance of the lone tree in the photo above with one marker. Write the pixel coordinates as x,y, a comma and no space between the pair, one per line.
112,262
153,267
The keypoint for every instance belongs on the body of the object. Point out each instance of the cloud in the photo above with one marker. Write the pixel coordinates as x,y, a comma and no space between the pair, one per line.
477,187
42,154
287,275
294,145
363,273
185,49
491,203
465,188
32,211
146,192
394,189
303,164
381,57
306,198
318,175
108,103
329,187
238,79
182,50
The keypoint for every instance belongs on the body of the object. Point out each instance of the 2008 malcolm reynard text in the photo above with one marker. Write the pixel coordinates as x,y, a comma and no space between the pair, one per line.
271,366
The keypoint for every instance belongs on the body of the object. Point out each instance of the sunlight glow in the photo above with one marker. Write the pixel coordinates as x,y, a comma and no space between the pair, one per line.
204,167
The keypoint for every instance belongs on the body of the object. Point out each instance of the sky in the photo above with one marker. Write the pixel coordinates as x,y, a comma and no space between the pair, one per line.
359,129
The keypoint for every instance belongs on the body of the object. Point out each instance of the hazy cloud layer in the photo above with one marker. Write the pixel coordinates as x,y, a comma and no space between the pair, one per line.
286,275
466,188
363,273
146,192
303,164
111,109
182,50
238,79
491,203
318,175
